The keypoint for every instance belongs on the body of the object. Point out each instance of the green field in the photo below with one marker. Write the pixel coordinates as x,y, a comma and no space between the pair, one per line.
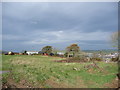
42,72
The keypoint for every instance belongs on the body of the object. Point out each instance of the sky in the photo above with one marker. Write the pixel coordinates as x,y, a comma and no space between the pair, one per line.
31,26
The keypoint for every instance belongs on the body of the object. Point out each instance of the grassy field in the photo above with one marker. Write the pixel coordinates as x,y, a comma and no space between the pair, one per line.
43,72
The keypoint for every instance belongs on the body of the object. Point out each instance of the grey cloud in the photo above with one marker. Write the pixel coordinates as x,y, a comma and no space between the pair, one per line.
40,23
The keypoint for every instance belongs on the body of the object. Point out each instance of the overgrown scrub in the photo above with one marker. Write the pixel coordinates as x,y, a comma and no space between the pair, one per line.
115,59
81,59
96,59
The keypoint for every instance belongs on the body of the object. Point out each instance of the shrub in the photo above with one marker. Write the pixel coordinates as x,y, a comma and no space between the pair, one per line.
82,59
116,59
96,59
66,54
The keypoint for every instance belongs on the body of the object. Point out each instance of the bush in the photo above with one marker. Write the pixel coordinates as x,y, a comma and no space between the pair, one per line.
116,59
66,54
82,59
96,59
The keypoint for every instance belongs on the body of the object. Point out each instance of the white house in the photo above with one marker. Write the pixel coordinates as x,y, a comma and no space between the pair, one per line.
60,53
31,52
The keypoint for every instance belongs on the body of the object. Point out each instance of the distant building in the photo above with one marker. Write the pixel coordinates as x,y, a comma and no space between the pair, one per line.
111,55
31,52
60,53
10,53
89,55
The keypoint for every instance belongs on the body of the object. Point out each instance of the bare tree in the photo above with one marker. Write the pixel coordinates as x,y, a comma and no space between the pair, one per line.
114,39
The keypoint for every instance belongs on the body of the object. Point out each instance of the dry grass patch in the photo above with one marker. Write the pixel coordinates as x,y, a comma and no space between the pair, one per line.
20,60
52,82
79,83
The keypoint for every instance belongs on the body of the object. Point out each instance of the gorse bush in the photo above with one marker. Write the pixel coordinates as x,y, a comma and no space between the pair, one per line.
95,59
82,59
115,59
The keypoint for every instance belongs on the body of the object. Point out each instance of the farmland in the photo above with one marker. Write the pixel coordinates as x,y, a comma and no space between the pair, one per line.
39,71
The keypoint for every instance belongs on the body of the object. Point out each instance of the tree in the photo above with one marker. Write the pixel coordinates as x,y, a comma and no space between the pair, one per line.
47,49
24,51
74,49
114,39
116,43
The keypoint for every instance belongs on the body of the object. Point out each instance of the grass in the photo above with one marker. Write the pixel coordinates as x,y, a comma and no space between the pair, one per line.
41,71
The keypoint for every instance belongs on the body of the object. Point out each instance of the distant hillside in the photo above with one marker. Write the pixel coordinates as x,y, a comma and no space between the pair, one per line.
3,52
103,51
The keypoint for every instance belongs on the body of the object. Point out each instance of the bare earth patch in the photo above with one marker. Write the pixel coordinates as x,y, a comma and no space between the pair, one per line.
68,61
113,84
53,83
21,84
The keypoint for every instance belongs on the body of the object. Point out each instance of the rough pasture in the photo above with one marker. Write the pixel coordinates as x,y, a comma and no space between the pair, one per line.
44,72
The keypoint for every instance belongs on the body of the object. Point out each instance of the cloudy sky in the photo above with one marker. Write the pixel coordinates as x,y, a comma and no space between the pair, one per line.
30,26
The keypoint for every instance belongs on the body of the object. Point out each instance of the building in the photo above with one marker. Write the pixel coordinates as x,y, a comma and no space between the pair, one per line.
31,52
89,55
60,53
